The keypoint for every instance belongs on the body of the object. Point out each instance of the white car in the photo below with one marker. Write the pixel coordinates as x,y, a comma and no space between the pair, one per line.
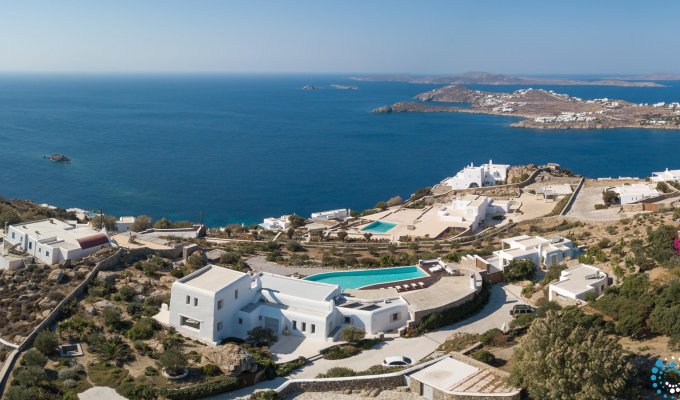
397,361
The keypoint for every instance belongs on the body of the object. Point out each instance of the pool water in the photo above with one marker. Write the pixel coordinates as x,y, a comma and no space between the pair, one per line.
378,227
365,277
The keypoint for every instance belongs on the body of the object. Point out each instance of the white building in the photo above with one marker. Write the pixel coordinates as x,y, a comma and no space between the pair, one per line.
214,303
635,192
484,175
554,191
124,224
472,209
53,241
666,176
341,213
540,251
276,224
578,281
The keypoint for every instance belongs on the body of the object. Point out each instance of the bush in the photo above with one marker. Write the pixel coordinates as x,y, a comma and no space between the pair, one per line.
34,358
151,371
519,270
211,370
265,395
352,334
126,292
143,329
494,337
262,336
338,372
71,372
46,342
600,207
137,391
173,361
286,368
484,356
21,393
340,352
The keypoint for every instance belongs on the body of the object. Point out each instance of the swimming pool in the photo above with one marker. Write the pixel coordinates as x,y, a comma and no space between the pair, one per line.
365,277
378,227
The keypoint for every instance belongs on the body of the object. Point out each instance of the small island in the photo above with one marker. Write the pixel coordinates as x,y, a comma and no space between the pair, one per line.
310,87
546,109
345,87
57,157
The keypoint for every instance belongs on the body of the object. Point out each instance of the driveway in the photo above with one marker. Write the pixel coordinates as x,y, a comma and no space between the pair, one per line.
584,207
494,315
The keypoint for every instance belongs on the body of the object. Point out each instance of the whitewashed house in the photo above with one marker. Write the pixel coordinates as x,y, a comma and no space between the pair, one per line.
484,175
124,224
632,193
578,281
341,213
672,175
214,303
276,224
541,251
53,241
471,209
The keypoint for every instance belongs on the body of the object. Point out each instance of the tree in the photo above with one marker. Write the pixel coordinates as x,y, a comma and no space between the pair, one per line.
296,221
112,316
662,187
562,357
519,270
196,261
143,329
342,235
142,223
610,197
294,246
368,235
381,205
46,342
112,349
34,358
173,361
109,222
352,334
661,243
163,223
484,356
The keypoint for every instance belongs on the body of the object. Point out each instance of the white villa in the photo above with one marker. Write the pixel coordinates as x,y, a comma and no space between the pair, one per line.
53,241
577,281
635,192
484,175
276,224
341,213
214,303
124,224
554,191
472,209
666,176
541,251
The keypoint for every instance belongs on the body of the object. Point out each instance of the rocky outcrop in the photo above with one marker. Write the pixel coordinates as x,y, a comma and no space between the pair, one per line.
56,276
57,157
231,358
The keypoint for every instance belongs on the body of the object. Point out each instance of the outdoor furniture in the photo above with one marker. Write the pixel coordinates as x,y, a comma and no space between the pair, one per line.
414,286
436,268
422,285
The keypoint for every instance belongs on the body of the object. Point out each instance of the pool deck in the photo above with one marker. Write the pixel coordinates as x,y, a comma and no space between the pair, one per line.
446,290
426,222
372,294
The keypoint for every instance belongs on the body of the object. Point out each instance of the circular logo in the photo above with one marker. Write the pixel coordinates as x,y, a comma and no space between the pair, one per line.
666,378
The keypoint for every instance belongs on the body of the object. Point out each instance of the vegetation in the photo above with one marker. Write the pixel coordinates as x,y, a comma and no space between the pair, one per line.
519,270
610,198
484,356
46,342
262,336
142,223
352,334
286,368
340,372
563,358
173,361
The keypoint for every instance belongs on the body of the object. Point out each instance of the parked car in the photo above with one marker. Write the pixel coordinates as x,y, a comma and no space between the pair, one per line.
519,309
397,361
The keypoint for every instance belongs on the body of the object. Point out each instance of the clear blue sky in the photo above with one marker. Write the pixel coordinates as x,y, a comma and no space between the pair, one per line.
525,37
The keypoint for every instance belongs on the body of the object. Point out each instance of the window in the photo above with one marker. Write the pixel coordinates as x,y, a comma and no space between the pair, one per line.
188,299
240,321
348,320
313,330
12,235
304,326
294,324
195,301
47,254
395,317
30,245
189,323
219,326
260,318
236,294
219,305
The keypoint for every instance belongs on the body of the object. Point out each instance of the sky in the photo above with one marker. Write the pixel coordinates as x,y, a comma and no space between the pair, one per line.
348,36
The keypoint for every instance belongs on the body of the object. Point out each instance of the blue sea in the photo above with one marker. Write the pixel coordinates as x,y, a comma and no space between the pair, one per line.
244,147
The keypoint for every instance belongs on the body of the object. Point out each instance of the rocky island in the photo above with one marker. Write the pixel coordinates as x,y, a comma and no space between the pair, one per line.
546,109
57,157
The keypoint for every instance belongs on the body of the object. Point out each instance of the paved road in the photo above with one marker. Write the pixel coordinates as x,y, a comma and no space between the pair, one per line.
494,315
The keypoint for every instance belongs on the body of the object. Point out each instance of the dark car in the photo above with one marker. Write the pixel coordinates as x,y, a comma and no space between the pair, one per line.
519,309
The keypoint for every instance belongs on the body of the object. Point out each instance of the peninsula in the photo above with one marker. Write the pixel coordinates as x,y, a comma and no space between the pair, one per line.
545,109
485,78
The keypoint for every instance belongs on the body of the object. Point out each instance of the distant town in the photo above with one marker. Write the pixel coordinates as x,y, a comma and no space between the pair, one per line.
440,295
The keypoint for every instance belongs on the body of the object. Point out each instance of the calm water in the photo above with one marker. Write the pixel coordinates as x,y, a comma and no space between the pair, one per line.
357,279
246,147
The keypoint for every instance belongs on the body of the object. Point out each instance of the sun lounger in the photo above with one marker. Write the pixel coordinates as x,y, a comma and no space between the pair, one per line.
436,269
414,286
422,285
406,287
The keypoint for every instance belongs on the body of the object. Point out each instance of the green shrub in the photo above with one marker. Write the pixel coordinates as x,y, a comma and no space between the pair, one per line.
484,356
265,395
519,270
34,358
137,391
46,342
338,372
352,334
340,352
143,329
211,370
494,337
151,371
286,368
212,388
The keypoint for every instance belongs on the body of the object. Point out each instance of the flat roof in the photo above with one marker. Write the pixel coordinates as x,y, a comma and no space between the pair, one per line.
212,278
445,374
579,279
298,287
57,233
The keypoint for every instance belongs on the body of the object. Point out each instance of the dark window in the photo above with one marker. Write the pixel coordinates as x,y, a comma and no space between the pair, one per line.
219,304
294,324
348,320
240,321
304,326
313,328
188,299
236,294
